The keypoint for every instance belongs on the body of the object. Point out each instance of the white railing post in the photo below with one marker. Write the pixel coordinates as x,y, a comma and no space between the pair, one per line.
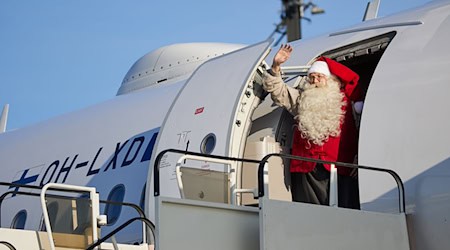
94,208
333,186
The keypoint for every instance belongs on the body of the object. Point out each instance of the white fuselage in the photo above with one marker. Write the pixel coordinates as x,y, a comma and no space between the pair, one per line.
404,125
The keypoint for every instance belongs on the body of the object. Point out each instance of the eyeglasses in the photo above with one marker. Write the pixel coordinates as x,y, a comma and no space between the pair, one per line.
313,76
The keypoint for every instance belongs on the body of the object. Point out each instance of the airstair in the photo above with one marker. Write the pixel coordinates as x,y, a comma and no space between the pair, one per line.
70,213
273,224
190,223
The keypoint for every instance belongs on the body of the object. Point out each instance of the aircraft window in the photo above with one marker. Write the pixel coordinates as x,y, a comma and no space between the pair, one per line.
142,201
19,220
113,211
208,144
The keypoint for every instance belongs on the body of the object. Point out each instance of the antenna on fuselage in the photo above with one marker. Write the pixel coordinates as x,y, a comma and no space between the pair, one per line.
371,10
4,118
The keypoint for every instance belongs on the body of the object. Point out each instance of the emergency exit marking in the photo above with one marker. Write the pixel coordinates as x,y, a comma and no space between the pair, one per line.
199,110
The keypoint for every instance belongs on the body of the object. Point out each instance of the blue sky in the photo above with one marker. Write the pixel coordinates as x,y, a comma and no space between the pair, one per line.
58,56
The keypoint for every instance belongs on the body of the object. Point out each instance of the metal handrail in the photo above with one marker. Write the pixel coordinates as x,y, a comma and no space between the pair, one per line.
125,224
127,204
4,195
229,171
8,245
140,212
263,161
156,183
94,208
398,180
37,187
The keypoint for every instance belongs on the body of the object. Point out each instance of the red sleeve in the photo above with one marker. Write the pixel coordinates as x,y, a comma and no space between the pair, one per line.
347,76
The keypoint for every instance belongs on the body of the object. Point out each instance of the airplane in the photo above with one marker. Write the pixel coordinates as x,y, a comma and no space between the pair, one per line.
187,116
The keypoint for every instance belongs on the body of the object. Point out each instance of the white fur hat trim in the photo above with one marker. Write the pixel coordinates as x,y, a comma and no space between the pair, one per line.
319,67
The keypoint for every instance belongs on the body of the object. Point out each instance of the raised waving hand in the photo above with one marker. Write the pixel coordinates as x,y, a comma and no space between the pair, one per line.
281,57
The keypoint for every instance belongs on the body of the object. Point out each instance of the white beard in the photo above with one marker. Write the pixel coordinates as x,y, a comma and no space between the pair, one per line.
320,112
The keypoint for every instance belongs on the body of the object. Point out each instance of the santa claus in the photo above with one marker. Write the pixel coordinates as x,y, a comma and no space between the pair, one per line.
325,127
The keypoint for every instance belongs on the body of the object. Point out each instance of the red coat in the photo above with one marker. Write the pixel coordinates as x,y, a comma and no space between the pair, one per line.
342,148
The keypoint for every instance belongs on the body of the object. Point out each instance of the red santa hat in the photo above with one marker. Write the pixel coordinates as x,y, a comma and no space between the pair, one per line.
319,67
348,77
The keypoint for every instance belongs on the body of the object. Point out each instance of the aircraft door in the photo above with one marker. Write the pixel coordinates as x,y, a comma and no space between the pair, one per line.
211,114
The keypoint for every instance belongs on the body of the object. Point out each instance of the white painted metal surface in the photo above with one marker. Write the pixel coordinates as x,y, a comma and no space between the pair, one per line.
33,240
24,239
404,125
179,163
171,64
290,225
372,10
4,118
188,224
208,103
88,148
